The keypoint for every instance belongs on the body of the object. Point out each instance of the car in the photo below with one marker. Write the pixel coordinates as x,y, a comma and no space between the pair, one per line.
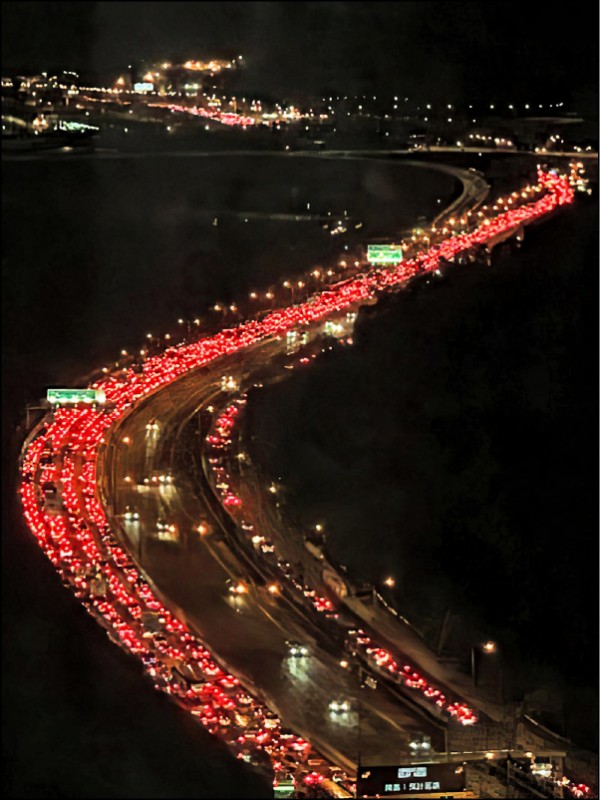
166,531
271,720
131,515
245,700
339,706
242,720
297,650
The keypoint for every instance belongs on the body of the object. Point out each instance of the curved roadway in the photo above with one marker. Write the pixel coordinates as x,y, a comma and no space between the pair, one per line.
248,630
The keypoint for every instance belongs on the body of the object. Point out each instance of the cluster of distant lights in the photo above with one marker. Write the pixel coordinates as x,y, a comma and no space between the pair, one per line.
228,118
499,142
215,66
231,118
429,106
79,542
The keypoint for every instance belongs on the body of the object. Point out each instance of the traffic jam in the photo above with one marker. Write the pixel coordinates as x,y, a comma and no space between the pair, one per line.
374,657
59,491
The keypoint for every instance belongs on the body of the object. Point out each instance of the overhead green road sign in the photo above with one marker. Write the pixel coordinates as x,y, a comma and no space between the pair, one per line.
75,396
384,253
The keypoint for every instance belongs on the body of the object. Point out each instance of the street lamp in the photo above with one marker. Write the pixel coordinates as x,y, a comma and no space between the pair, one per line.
488,648
185,322
289,286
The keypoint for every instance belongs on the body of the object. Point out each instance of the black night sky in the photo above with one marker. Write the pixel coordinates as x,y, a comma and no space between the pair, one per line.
489,381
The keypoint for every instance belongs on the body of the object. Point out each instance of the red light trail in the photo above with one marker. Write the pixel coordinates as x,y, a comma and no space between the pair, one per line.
80,543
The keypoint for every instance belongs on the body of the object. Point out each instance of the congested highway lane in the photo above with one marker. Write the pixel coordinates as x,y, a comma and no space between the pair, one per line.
249,632
76,531
189,398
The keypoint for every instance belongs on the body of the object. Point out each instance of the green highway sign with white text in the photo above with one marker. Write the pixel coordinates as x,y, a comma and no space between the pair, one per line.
75,396
384,253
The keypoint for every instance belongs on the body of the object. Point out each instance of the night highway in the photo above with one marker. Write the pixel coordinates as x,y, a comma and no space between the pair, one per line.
181,528
298,332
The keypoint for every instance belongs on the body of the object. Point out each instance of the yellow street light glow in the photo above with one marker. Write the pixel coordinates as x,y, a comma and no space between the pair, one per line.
344,664
489,647
241,589
389,582
126,440
319,527
123,352
273,488
202,529
273,588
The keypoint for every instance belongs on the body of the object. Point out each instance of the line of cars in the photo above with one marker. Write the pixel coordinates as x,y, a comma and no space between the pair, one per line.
373,656
77,536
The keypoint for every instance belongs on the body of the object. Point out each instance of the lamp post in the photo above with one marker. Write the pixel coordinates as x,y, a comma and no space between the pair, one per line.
290,286
487,648
359,716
